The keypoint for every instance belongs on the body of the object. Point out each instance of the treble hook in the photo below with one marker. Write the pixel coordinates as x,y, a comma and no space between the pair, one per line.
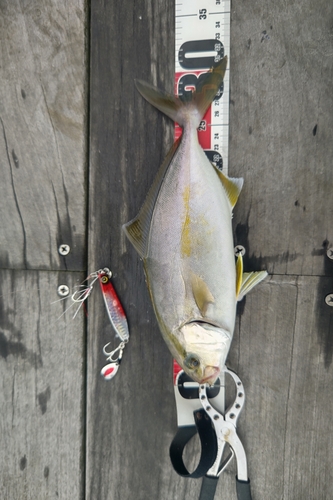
83,293
109,355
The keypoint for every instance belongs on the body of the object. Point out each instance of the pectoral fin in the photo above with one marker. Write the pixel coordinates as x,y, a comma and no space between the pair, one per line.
137,230
246,281
201,293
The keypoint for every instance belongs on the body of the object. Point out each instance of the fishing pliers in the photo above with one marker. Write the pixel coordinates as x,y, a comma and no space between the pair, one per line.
200,409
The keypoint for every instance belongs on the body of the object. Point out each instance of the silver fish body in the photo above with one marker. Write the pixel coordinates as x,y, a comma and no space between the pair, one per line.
191,254
184,235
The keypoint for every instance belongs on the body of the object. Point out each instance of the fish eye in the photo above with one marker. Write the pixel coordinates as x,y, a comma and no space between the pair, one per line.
192,361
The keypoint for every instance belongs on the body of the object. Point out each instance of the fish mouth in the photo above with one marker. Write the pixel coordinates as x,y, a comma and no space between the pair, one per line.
202,322
211,373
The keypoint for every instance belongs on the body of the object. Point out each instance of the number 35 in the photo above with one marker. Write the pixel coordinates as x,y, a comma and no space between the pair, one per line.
202,14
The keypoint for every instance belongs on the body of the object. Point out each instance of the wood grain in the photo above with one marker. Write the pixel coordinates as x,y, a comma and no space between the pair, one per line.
280,80
281,118
130,419
282,350
42,377
42,134
63,435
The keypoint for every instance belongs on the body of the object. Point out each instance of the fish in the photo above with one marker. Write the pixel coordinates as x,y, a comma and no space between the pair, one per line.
183,234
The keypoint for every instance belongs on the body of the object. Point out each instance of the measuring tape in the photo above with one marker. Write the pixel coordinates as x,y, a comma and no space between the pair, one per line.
202,39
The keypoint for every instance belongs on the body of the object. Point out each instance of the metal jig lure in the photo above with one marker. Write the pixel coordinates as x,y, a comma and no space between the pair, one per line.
118,320
115,312
113,306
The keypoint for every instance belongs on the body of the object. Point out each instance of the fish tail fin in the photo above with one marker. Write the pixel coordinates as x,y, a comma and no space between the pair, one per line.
191,109
208,86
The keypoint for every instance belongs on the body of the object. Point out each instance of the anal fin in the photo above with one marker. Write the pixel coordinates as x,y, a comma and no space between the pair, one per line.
232,186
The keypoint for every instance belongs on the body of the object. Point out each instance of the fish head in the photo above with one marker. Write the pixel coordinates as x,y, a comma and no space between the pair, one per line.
205,347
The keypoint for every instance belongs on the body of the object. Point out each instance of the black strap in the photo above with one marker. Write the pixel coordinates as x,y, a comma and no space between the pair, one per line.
243,489
209,484
208,487
208,440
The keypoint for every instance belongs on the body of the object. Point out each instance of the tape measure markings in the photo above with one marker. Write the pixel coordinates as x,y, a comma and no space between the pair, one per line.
202,38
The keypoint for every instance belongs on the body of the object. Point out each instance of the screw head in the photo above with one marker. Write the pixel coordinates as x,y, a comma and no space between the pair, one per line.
239,250
329,253
64,249
63,290
329,299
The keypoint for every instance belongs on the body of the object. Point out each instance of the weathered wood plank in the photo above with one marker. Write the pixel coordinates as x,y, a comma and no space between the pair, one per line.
280,133
42,133
42,399
131,420
308,454
283,351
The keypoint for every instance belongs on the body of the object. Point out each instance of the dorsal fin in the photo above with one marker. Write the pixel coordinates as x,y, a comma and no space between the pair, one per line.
231,185
137,229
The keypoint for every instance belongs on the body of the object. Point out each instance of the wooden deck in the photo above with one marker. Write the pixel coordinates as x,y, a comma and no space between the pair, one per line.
79,149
